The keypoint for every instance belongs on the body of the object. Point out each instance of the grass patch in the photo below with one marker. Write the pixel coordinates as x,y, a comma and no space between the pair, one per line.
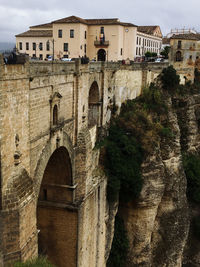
37,262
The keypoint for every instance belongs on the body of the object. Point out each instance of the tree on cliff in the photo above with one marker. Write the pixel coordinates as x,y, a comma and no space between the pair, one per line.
170,79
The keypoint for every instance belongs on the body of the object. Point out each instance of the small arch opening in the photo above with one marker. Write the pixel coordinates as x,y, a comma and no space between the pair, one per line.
55,115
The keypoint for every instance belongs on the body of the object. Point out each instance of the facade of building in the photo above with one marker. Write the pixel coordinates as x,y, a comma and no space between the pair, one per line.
73,37
185,54
149,39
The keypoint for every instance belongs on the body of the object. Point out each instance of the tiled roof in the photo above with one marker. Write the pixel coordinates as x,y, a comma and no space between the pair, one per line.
147,29
35,33
166,40
111,21
186,36
71,19
46,25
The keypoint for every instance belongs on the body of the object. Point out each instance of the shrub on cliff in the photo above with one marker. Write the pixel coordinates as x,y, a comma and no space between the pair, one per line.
170,79
38,262
191,165
122,164
136,132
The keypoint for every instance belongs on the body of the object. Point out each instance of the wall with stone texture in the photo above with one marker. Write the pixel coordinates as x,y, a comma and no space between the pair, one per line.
28,94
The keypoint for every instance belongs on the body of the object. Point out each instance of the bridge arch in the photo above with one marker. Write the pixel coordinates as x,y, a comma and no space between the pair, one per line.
57,216
93,105
57,219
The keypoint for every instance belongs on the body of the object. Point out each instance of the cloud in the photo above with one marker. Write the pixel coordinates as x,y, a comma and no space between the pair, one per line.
17,16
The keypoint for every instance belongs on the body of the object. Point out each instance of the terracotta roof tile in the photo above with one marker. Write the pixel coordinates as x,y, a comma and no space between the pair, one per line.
166,40
147,29
71,19
111,21
46,25
186,36
35,33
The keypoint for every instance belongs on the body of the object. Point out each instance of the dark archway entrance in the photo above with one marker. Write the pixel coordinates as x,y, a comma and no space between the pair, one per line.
57,220
93,105
101,55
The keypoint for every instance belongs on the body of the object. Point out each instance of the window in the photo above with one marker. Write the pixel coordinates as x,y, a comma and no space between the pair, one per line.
41,46
34,55
121,51
71,33
137,40
27,46
178,56
190,56
55,115
47,46
65,48
179,44
136,51
59,33
34,46
41,57
85,34
85,48
102,30
20,46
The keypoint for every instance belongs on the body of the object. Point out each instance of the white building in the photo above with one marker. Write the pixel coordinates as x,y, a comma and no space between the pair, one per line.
148,39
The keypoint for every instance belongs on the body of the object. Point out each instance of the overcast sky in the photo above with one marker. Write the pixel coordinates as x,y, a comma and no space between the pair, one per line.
17,15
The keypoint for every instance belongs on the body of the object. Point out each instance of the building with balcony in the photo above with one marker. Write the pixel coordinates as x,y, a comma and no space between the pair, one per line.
185,54
149,39
73,37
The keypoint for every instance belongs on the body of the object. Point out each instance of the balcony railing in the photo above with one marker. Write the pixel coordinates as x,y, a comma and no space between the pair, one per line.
101,43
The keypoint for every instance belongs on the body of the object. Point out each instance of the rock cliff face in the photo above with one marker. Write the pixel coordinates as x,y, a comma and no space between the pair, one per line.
158,223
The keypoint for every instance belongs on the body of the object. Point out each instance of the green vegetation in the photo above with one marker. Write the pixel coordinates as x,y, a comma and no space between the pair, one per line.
191,165
120,245
123,160
38,262
165,51
136,132
150,54
170,79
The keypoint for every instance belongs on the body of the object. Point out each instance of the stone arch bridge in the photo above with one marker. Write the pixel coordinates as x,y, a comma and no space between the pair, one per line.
52,193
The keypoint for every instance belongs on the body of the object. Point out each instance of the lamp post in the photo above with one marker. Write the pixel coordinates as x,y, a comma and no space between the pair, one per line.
53,41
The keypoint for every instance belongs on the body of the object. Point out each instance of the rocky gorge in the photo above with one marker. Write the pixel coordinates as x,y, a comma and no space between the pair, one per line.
159,222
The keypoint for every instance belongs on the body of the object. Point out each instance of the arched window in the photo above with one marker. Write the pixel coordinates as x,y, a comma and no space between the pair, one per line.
55,115
178,56
93,105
